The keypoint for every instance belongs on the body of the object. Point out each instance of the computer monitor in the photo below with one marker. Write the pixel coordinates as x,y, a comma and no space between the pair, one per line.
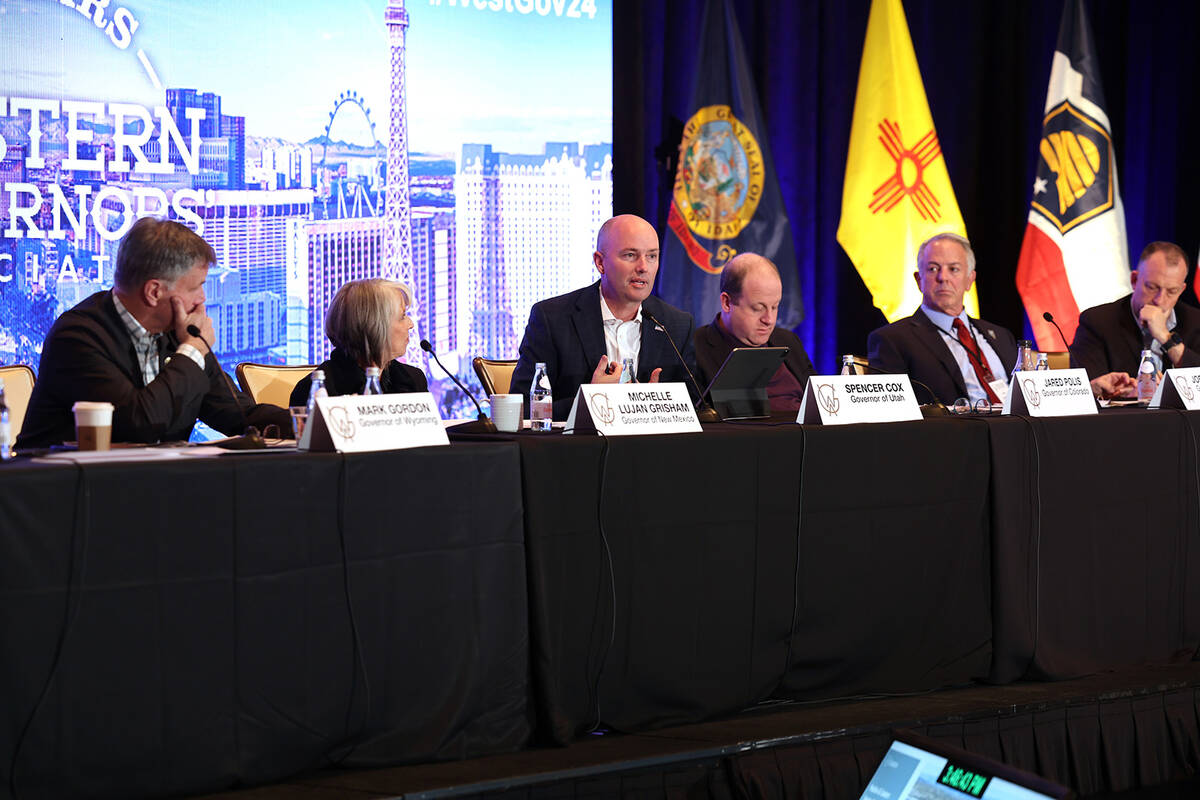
918,768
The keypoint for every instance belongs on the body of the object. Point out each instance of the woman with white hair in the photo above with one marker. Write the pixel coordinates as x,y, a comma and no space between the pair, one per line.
368,325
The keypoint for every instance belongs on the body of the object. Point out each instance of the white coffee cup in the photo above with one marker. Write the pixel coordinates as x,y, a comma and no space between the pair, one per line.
506,412
93,425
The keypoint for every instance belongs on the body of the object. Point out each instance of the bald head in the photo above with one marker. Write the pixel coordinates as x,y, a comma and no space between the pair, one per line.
735,271
1160,277
620,227
627,259
751,291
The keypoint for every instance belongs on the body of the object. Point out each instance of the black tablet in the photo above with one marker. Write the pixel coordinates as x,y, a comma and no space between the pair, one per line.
739,389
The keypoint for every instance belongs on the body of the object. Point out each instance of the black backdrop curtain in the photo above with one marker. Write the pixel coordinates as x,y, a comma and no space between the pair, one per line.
985,67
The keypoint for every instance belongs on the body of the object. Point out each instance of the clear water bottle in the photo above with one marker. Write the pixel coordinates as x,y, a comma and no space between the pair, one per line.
1147,377
627,375
1025,359
848,365
5,429
372,386
541,401
1043,361
316,390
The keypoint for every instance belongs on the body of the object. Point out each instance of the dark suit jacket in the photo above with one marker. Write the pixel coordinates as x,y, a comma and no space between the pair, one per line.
88,355
1108,338
712,348
343,376
914,347
567,333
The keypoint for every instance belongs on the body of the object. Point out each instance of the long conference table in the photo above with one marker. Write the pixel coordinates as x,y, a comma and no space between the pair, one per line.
188,625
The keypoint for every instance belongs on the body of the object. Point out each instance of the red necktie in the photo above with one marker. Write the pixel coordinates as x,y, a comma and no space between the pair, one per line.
982,371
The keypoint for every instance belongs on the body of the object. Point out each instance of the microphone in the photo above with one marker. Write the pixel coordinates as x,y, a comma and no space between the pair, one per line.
250,439
935,409
1046,315
705,413
481,424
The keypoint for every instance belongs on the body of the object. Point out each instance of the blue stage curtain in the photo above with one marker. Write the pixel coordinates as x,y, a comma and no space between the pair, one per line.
985,67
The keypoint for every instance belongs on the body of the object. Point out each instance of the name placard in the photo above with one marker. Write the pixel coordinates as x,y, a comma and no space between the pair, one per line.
1179,388
356,423
629,409
843,399
1050,393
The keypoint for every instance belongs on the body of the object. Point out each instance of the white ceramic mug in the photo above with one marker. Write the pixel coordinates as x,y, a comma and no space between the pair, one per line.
506,412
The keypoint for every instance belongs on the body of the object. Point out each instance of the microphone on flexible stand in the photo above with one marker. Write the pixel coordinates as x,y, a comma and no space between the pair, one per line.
1046,315
250,439
935,409
705,412
481,424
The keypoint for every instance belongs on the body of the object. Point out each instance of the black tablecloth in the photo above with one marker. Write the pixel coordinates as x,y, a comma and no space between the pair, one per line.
212,641
716,609
216,639
893,585
1096,542
701,529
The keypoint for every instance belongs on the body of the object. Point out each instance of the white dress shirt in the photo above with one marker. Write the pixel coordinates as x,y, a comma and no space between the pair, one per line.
622,339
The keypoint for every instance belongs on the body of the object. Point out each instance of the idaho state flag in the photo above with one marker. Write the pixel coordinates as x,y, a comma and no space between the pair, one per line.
726,197
897,192
1074,255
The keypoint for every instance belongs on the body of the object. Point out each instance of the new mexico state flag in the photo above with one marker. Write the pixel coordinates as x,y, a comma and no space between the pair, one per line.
897,191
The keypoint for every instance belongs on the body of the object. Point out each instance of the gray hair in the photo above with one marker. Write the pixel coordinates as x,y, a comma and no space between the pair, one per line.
951,237
159,249
360,318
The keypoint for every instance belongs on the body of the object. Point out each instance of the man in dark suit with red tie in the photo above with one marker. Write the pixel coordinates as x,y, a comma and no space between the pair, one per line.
939,345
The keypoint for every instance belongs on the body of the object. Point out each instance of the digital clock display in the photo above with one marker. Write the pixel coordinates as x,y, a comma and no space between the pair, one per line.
965,780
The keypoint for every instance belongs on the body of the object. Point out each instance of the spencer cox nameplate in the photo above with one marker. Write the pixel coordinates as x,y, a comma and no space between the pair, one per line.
628,409
1179,388
356,423
843,399
1050,393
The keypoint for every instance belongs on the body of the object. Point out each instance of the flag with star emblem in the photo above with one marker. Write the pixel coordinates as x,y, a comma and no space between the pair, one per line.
897,191
1074,254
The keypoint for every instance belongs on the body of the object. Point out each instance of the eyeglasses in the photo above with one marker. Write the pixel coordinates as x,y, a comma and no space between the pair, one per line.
981,406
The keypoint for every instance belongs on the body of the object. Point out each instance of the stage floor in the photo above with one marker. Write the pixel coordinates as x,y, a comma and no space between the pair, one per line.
687,757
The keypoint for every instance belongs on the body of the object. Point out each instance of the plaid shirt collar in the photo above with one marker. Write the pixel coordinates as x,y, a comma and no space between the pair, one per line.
145,344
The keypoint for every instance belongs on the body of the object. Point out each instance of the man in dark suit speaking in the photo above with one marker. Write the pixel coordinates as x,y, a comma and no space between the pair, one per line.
585,335
131,347
939,345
